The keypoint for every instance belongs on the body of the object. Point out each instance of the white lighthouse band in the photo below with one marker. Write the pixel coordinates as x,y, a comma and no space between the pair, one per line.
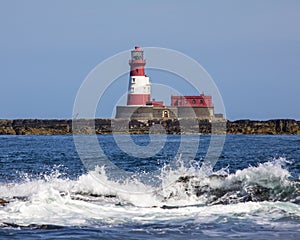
139,85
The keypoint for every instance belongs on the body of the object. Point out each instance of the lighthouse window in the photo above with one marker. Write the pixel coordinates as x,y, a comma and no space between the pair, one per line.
201,101
133,80
194,101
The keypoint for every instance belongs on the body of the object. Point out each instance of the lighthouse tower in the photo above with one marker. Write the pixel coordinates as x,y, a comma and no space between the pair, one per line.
139,84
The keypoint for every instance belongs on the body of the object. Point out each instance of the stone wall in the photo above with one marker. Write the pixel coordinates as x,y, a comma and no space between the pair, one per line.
159,112
199,112
134,112
150,112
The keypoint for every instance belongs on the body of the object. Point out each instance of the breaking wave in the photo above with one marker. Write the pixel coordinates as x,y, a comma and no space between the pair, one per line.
183,193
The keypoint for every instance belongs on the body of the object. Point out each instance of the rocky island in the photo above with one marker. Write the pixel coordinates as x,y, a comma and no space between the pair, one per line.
170,126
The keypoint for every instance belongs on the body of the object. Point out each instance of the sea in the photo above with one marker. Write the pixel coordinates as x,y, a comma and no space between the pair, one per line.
251,191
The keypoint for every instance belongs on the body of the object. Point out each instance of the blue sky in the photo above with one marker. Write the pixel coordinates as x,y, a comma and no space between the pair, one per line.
250,48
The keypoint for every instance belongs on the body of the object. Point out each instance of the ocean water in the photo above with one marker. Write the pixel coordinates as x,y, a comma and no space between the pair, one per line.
253,191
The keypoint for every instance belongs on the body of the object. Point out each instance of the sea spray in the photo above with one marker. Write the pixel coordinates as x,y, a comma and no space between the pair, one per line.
185,193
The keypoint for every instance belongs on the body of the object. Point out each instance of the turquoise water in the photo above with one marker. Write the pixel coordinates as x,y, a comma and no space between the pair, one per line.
253,191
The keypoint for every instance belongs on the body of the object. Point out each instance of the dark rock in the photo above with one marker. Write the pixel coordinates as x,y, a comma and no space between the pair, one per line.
134,126
3,202
235,192
32,226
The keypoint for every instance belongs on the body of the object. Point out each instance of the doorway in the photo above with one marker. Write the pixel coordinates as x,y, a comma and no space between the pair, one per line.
166,114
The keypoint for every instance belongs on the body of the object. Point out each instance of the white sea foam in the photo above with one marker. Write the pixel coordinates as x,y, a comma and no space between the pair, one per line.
95,199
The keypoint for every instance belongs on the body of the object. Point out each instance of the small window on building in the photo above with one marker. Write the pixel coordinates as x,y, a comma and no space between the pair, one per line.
133,80
194,101
201,101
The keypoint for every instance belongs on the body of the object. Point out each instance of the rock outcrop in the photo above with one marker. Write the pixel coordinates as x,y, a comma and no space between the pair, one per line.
3,202
169,126
276,126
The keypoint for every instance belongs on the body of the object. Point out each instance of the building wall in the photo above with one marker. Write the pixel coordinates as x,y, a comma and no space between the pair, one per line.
150,112
195,112
203,112
134,112
165,112
192,101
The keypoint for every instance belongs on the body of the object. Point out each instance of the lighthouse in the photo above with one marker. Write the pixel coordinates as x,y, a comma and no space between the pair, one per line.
139,84
139,106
